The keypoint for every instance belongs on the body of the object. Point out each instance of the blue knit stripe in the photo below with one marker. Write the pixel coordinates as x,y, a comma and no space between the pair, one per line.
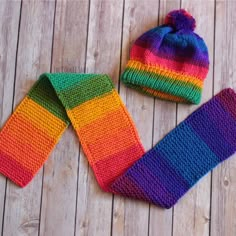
152,186
164,172
207,127
187,153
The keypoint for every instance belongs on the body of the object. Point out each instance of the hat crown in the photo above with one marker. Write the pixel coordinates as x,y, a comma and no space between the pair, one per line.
169,61
180,47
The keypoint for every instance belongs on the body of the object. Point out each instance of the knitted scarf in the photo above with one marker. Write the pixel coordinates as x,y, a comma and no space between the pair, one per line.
110,140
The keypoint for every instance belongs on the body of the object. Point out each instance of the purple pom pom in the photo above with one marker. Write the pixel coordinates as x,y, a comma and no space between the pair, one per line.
180,20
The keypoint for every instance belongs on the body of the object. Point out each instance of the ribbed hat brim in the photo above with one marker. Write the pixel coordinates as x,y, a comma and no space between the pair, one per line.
162,84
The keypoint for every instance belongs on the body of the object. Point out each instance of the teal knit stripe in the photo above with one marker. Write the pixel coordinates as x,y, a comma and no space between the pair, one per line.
80,88
63,81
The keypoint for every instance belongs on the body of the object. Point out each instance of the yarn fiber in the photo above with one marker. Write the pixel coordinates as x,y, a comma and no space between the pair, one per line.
110,140
170,61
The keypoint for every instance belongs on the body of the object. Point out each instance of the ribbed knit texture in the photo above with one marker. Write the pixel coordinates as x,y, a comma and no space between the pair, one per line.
110,140
170,61
90,102
202,141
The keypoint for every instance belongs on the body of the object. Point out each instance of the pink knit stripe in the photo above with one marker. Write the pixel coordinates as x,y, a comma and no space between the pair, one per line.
147,57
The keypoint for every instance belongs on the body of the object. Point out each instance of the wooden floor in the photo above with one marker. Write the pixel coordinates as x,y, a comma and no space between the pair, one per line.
94,36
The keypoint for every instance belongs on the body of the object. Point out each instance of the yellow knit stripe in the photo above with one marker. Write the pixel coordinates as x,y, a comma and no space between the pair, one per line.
166,73
93,109
41,118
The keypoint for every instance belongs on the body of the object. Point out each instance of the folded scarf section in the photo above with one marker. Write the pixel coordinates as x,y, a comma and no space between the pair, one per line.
110,140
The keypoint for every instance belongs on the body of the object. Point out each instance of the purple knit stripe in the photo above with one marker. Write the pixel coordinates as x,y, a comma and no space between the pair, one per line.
179,53
154,176
146,183
146,40
203,123
225,122
125,185
152,186
173,54
157,163
228,100
175,51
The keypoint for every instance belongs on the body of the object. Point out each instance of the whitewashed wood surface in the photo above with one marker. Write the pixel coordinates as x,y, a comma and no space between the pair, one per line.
95,36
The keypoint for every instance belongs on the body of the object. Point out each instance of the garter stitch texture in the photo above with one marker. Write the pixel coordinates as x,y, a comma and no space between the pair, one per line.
110,140
170,61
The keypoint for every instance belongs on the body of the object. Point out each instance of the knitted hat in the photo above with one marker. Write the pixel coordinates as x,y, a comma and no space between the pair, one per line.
169,61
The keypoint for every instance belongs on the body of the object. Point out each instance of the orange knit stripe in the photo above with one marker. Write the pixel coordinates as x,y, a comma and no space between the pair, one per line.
163,95
164,72
40,117
35,144
95,123
105,126
117,142
91,110
123,160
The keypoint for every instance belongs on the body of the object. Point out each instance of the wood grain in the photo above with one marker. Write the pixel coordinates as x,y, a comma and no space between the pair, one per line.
131,217
164,121
223,220
61,170
95,36
103,54
22,206
192,212
9,21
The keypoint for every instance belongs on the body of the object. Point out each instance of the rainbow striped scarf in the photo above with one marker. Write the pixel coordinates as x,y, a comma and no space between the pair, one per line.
110,140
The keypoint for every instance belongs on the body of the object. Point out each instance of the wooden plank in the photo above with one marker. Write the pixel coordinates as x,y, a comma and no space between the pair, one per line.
192,212
131,217
34,54
61,170
164,121
103,56
9,21
224,177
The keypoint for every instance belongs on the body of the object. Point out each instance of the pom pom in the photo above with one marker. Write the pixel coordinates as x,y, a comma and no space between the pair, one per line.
180,20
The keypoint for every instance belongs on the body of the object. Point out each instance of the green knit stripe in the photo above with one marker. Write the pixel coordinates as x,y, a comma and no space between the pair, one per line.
85,91
64,81
138,79
75,89
44,94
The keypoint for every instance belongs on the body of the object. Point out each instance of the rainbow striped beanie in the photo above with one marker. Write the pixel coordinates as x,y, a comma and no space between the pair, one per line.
169,61
110,140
